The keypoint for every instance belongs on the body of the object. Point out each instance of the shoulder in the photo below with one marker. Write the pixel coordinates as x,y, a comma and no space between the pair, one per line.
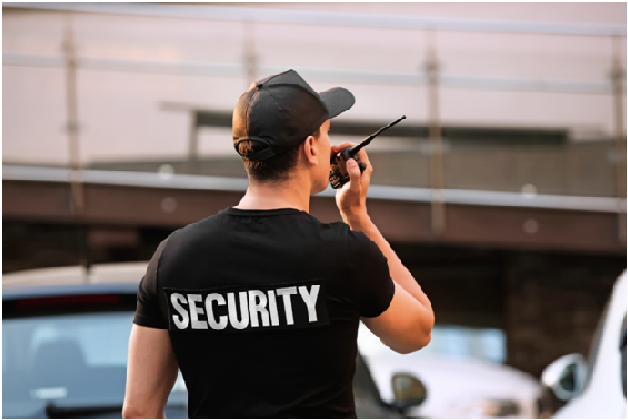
334,232
340,231
188,237
363,248
335,228
197,228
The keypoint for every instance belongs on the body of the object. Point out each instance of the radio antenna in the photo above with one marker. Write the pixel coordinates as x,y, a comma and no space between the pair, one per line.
367,140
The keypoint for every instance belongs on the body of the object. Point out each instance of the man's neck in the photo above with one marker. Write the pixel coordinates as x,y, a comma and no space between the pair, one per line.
275,195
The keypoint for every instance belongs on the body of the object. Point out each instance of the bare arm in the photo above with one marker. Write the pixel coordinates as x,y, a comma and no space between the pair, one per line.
406,325
151,373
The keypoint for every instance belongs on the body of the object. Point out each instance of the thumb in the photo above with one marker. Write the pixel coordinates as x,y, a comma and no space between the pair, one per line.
354,175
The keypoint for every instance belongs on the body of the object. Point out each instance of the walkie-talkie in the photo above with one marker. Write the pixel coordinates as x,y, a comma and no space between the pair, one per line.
338,175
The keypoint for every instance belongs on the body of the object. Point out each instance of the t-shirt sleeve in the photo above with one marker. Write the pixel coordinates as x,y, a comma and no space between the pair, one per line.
370,276
148,312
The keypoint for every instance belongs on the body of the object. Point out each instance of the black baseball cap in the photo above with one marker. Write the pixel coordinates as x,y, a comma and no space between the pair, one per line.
282,110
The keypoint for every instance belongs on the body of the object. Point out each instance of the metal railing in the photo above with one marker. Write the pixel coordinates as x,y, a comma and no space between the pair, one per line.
381,192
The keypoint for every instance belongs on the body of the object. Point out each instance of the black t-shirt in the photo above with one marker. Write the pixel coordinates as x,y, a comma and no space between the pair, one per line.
263,309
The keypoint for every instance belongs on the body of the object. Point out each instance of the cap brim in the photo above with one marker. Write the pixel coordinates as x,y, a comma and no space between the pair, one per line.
337,100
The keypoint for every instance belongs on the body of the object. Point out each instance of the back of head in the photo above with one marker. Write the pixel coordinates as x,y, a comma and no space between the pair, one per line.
275,168
275,115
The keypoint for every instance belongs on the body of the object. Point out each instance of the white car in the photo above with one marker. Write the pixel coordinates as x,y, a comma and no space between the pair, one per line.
457,386
597,388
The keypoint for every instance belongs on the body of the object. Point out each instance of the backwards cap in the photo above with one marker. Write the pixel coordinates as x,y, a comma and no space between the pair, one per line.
282,110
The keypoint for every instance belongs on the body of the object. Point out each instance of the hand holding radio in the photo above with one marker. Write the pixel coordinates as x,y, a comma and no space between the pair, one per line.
350,163
338,174
351,198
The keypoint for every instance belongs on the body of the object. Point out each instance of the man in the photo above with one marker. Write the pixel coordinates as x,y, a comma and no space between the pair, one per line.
259,305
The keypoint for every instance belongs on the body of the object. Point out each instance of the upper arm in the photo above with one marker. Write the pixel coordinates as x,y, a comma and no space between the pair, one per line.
151,372
150,312
152,366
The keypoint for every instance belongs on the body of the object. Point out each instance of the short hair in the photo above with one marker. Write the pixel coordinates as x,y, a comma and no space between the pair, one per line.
275,168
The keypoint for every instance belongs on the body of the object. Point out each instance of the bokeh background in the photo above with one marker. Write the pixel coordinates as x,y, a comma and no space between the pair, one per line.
504,191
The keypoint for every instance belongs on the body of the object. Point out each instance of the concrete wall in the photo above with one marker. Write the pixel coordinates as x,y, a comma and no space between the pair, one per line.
122,114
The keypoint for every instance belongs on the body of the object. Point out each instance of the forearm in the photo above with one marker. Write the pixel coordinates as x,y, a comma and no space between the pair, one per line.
398,272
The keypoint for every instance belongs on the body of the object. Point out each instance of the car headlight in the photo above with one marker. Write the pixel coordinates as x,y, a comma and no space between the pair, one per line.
494,407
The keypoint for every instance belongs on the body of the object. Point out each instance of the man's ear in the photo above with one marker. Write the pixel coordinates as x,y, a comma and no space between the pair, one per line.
310,150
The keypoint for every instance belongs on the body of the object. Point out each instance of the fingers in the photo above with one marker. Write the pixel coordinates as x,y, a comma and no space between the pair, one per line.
354,176
339,147
364,158
366,175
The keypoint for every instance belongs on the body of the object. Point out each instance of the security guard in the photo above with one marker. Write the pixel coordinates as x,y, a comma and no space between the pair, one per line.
259,305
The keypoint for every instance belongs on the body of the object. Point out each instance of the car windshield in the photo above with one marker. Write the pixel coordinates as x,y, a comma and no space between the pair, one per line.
71,361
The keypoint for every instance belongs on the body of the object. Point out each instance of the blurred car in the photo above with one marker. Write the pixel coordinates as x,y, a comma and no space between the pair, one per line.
597,388
458,387
65,346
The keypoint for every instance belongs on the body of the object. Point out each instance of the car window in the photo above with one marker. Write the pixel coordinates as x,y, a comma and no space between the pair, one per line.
73,360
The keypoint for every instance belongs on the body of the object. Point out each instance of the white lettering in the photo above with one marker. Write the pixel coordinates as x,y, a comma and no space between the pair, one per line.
272,308
202,310
211,320
181,322
197,324
310,300
259,306
233,311
285,293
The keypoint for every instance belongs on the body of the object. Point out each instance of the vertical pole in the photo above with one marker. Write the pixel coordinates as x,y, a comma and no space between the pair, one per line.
620,137
76,184
72,122
436,160
193,144
251,60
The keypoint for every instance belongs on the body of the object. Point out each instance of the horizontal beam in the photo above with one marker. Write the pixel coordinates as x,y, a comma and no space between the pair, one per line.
399,221
310,17
380,192
335,75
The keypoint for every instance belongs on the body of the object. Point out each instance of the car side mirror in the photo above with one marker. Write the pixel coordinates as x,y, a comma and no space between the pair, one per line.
408,391
565,376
